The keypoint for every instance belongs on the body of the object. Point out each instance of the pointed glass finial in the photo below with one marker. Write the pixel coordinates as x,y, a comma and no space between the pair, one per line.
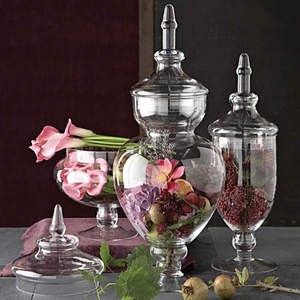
244,71
57,227
168,26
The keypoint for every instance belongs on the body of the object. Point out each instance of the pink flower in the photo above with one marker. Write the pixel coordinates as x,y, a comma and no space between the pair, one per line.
75,192
97,180
71,129
163,173
79,179
50,141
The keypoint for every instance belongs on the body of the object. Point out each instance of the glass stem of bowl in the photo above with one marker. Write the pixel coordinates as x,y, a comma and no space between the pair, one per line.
107,216
244,243
168,259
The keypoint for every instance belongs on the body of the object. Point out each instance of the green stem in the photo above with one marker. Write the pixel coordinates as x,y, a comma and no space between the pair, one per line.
109,284
98,295
103,145
101,290
274,288
179,224
107,138
103,142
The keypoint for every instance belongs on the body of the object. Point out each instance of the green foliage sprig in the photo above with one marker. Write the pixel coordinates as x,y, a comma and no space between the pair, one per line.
269,283
138,282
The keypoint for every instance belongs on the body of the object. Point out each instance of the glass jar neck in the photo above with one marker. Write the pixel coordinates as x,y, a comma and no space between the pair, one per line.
156,133
169,59
240,102
166,65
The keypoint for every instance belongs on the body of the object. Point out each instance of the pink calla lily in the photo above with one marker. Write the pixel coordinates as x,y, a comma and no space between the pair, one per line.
73,130
49,141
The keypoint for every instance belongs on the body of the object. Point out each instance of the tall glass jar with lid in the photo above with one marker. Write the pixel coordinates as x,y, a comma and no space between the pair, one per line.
169,181
248,145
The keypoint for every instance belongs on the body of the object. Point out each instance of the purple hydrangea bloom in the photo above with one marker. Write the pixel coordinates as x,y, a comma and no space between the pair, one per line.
139,199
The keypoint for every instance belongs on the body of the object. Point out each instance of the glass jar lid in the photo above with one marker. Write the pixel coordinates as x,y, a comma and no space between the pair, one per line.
243,120
169,97
169,79
57,266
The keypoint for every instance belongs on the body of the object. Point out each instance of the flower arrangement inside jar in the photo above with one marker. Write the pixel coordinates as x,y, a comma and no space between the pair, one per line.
85,174
166,205
168,188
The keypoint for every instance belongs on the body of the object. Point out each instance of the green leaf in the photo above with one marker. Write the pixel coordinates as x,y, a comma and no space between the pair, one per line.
239,276
271,280
140,251
140,280
105,255
119,262
245,275
91,276
87,275
108,260
138,284
127,298
109,186
210,283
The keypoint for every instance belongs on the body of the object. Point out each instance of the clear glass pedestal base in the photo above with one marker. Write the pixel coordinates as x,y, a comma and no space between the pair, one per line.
109,234
255,266
171,284
108,228
168,257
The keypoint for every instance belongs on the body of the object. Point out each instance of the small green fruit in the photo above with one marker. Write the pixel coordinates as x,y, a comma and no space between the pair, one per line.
156,214
223,287
194,289
207,206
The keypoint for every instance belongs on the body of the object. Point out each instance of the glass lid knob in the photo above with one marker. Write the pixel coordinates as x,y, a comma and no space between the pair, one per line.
243,72
57,227
169,26
58,239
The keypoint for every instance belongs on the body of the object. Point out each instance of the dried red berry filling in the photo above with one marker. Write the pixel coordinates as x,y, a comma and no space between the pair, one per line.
241,205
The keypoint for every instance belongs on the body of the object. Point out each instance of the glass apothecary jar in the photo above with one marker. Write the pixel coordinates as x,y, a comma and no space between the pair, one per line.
248,145
168,182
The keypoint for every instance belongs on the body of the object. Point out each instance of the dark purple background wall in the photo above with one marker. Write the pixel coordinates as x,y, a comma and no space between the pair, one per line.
60,59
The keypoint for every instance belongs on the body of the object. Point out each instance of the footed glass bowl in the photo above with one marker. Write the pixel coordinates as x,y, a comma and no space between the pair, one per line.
85,175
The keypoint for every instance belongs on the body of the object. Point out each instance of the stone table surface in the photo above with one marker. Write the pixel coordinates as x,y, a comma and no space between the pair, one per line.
281,244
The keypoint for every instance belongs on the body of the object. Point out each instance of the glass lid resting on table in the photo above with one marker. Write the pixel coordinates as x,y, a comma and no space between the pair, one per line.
57,266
